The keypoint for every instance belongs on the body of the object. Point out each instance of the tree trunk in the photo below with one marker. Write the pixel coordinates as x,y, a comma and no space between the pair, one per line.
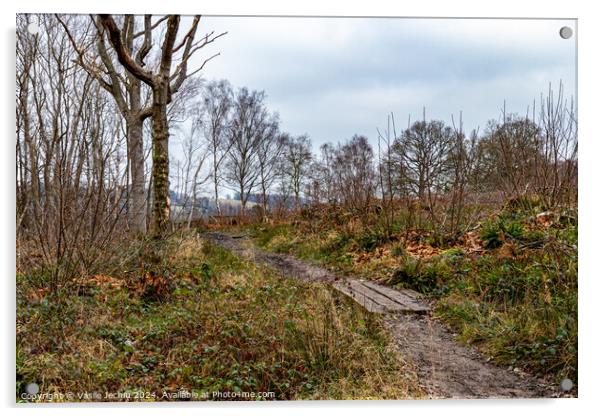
264,201
136,156
422,188
297,190
195,181
243,201
215,183
160,137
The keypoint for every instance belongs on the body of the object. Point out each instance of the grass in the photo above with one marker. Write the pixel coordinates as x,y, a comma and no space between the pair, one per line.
222,325
515,298
521,311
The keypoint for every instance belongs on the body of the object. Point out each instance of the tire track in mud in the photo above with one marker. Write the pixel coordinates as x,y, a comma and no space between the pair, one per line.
445,368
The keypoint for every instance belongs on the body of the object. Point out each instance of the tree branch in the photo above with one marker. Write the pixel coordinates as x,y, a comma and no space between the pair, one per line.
122,54
147,44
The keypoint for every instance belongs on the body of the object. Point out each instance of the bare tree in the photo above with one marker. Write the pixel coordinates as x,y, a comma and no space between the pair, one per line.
509,152
462,169
271,147
556,168
296,161
386,171
188,176
424,147
354,169
69,160
321,179
126,90
242,164
163,83
214,115
533,154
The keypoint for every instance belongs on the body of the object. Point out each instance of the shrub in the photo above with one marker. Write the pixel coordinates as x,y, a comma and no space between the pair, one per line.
368,241
339,242
496,231
422,277
524,203
398,250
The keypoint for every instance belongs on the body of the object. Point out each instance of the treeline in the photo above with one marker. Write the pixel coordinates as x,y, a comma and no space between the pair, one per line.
441,175
235,143
100,97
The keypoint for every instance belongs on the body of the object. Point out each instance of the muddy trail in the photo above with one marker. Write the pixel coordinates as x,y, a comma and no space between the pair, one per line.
445,368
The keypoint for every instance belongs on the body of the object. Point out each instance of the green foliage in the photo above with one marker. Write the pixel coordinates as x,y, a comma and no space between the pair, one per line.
398,250
508,283
338,243
265,234
369,240
543,352
525,204
455,254
499,229
521,311
425,277
569,235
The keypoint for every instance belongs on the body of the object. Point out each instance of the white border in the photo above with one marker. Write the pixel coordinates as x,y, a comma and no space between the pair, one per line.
589,185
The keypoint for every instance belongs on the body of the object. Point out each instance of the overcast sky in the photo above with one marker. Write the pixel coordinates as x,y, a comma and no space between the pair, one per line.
335,77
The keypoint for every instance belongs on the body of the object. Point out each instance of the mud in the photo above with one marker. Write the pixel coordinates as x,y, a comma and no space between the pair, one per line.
447,369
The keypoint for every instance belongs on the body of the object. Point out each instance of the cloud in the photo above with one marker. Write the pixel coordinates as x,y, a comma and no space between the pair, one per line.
334,77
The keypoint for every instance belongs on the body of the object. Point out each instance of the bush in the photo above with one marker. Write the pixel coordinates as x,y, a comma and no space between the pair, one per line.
498,230
369,241
431,278
526,203
339,242
398,251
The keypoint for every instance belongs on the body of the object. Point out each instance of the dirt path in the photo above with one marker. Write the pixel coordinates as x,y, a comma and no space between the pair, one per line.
445,368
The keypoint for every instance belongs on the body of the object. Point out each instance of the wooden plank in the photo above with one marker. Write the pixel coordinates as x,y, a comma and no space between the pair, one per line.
380,299
365,291
409,299
364,301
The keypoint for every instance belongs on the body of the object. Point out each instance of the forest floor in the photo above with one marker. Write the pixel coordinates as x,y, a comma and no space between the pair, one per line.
445,368
203,324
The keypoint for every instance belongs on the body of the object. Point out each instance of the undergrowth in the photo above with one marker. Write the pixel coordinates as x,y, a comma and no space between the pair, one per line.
220,325
508,287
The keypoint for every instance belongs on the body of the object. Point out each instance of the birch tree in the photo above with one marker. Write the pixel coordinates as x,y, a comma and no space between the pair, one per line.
297,159
271,149
214,116
242,165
